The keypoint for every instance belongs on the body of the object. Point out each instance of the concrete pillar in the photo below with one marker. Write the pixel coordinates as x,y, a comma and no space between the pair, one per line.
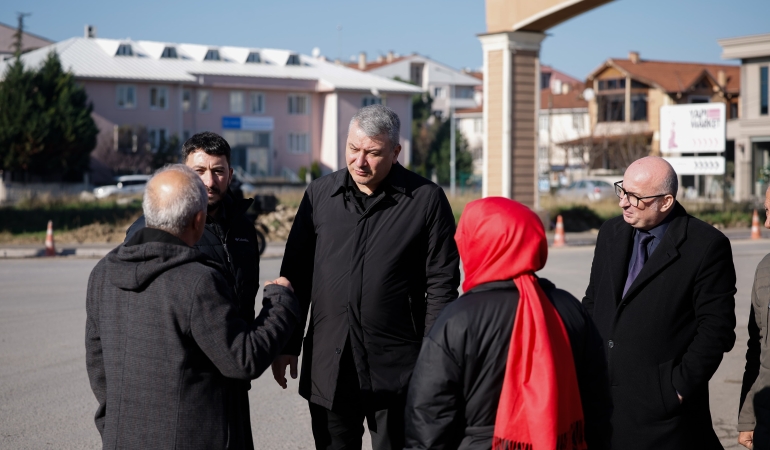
744,187
511,104
332,155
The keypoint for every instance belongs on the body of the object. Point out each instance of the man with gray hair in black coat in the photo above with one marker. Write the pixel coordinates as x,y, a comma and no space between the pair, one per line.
165,345
372,248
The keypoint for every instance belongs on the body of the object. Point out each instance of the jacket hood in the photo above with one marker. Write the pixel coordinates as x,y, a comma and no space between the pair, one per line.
133,267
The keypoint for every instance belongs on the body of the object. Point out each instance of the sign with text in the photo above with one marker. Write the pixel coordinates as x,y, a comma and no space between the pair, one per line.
693,128
247,123
697,165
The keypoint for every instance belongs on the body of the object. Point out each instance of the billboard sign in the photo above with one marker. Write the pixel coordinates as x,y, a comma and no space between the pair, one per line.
247,123
697,165
693,128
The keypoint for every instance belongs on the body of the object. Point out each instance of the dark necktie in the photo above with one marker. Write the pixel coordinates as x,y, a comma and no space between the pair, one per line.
641,258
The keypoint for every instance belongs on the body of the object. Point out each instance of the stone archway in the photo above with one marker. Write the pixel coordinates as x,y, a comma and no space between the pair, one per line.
511,45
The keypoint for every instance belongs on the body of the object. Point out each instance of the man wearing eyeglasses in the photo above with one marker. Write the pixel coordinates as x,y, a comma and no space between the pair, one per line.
661,294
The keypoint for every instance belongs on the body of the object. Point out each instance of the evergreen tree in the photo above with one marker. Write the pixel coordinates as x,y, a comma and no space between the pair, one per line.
45,121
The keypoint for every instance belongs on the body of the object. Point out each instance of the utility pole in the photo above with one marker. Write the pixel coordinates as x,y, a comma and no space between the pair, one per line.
19,35
452,149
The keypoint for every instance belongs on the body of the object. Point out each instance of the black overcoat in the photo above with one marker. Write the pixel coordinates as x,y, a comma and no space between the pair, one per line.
667,334
378,277
455,389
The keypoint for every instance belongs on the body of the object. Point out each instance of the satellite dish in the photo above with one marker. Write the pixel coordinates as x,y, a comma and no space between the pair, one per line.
375,92
588,94
316,52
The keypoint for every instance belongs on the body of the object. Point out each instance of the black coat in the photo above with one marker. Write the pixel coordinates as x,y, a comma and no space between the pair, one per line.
231,242
166,349
455,389
668,333
379,277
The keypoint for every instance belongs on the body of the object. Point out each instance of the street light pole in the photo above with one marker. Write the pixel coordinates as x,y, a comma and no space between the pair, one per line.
452,149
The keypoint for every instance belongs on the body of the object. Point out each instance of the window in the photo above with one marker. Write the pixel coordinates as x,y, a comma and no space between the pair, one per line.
612,108
415,73
253,58
257,103
126,97
371,100
212,55
639,107
186,135
298,143
577,121
124,50
463,92
615,83
236,102
763,91
169,52
638,85
438,92
543,122
293,61
156,137
545,80
158,97
478,125
204,101
186,100
733,110
298,104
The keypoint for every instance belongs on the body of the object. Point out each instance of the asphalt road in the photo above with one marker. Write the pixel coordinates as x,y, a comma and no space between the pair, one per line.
46,402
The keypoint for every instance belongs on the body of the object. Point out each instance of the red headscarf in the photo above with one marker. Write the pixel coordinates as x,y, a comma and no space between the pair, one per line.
500,239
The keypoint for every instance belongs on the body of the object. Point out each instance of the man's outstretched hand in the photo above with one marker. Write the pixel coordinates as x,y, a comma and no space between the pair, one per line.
283,281
746,439
279,367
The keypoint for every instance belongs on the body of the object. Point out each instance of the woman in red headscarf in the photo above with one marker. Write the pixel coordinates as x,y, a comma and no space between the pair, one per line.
514,363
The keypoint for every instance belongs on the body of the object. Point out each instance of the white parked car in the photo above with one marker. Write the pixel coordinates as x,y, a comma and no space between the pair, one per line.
591,190
125,185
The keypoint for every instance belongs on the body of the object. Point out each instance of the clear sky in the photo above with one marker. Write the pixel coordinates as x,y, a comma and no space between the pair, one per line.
682,30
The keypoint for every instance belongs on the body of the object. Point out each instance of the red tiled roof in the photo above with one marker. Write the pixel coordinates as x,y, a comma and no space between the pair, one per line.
476,109
674,76
570,100
558,75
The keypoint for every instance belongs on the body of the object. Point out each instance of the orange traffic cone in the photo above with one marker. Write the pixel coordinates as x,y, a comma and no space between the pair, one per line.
558,236
49,248
756,233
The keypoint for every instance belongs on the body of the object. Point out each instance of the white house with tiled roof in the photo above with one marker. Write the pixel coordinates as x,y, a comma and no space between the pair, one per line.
278,109
438,79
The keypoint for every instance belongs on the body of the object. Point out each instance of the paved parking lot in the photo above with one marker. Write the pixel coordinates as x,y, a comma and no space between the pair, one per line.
46,402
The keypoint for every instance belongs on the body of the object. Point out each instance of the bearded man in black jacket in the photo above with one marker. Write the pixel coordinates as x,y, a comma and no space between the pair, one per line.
372,248
229,238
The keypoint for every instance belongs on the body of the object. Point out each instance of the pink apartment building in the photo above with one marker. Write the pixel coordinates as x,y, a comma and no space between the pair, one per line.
279,110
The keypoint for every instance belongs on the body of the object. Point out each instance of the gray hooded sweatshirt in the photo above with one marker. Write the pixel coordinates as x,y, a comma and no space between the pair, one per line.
165,346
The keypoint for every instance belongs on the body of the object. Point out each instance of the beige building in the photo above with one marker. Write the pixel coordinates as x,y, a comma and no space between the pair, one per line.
624,101
751,130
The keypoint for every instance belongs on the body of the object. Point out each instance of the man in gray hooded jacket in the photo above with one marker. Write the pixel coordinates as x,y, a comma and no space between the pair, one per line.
165,345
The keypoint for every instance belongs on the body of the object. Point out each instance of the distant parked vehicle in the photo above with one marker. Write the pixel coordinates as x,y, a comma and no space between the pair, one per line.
124,185
591,190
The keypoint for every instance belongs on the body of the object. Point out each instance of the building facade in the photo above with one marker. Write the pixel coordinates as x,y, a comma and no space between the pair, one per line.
751,129
626,96
279,110
448,87
563,116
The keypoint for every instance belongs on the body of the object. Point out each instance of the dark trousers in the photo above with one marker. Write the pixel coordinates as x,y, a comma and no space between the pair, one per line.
342,426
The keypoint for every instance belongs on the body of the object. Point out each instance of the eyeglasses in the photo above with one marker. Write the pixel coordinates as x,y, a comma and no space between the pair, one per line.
633,199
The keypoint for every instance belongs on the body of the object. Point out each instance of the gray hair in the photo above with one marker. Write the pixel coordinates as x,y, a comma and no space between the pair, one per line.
375,120
174,214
